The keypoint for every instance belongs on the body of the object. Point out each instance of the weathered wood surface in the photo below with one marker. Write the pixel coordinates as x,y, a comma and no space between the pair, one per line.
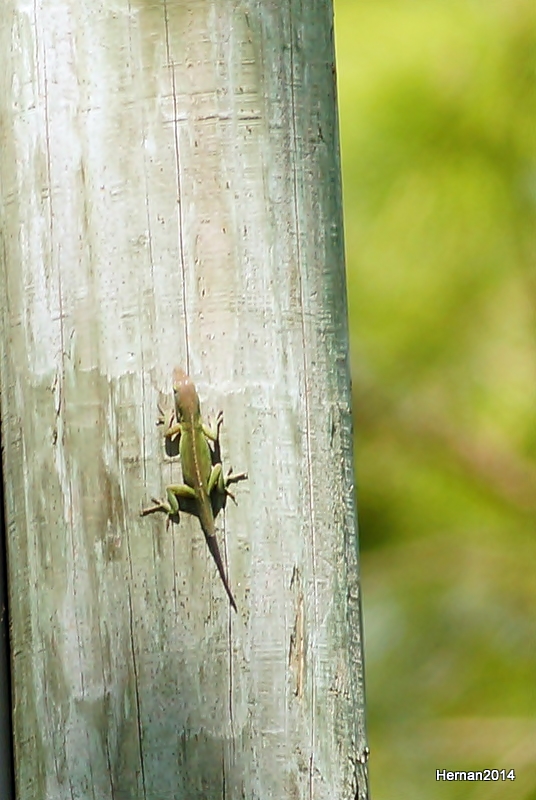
170,194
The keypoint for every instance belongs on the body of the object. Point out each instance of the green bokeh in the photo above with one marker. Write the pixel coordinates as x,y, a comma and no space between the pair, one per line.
438,129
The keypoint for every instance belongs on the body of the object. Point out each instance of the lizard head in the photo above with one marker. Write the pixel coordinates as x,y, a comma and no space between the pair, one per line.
186,399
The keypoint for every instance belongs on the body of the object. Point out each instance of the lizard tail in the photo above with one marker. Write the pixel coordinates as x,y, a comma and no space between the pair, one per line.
215,553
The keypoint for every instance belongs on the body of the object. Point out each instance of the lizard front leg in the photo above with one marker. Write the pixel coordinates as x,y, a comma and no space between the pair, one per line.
172,428
211,432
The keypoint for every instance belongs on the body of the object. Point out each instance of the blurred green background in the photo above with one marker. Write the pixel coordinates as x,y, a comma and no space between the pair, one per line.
438,127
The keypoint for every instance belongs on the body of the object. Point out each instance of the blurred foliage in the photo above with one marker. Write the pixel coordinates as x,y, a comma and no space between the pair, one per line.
438,129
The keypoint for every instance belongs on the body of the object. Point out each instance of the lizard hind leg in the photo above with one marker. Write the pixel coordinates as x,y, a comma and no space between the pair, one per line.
230,478
160,505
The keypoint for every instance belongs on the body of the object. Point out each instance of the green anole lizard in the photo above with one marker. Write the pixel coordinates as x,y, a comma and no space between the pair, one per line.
201,477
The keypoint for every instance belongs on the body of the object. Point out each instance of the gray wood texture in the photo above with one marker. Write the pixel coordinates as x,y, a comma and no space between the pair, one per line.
170,195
